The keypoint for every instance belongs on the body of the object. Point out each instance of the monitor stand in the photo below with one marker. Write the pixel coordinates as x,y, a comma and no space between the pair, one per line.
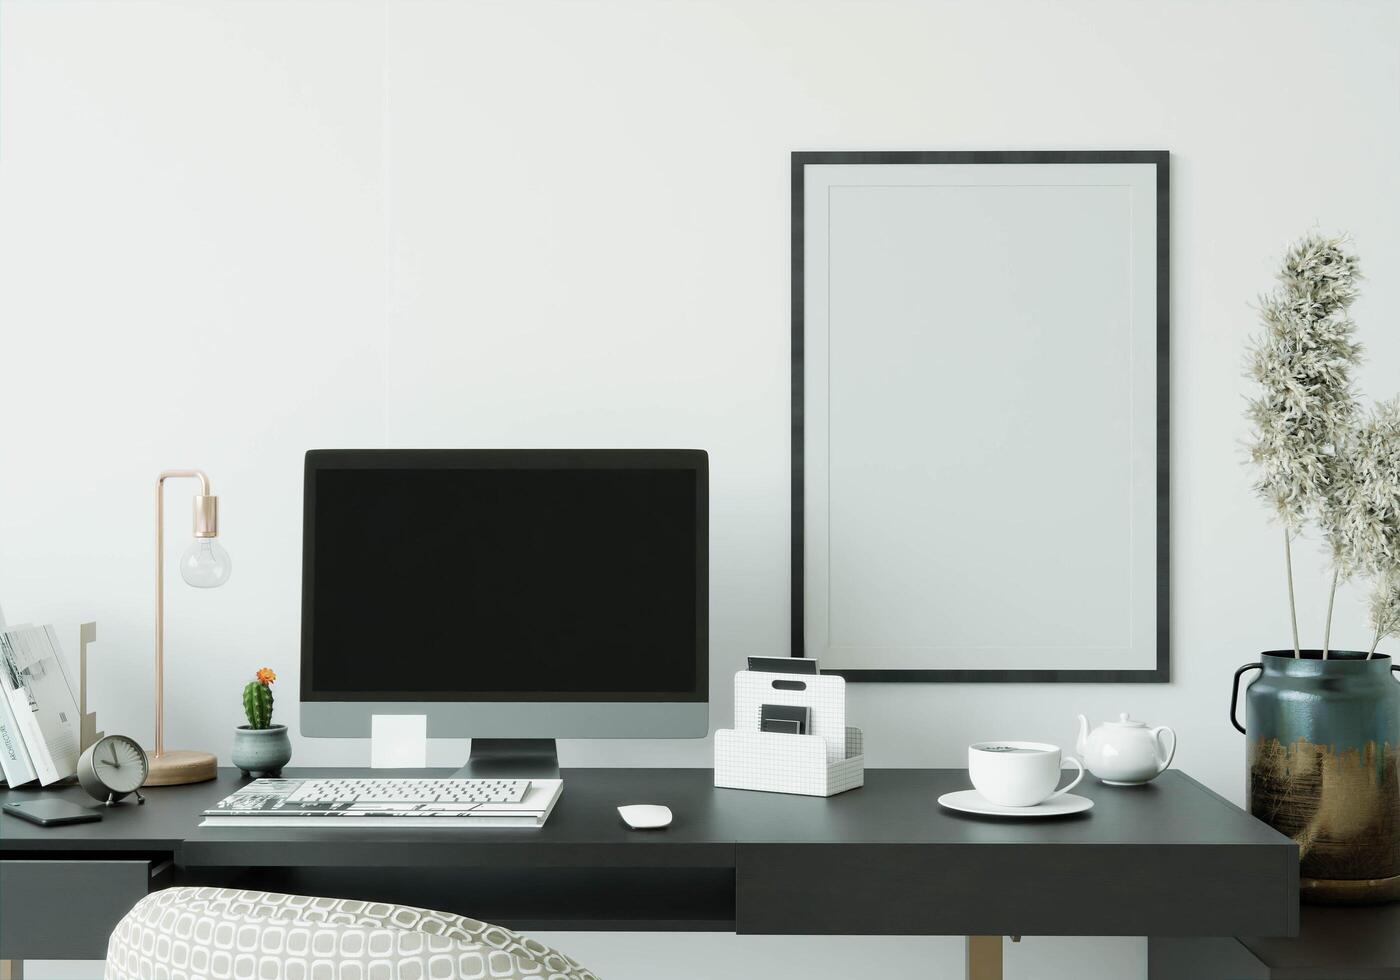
511,758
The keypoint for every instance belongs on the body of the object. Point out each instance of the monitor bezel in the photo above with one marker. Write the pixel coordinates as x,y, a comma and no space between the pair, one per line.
692,460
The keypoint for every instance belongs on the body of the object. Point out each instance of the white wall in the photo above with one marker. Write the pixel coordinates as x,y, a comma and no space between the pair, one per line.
233,231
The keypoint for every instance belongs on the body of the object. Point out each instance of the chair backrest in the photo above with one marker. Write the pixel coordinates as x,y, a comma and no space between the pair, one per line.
225,934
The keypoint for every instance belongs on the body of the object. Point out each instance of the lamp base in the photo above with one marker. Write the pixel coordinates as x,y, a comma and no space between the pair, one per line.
180,767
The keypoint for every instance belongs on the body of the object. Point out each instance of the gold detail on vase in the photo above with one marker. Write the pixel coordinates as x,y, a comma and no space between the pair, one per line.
1341,806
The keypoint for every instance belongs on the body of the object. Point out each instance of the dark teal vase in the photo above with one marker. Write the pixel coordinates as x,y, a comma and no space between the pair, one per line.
1324,743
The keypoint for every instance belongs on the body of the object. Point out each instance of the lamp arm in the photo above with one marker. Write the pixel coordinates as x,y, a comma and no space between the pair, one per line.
177,474
160,587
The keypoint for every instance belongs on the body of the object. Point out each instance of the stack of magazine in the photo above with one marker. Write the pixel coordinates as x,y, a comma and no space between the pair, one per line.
39,731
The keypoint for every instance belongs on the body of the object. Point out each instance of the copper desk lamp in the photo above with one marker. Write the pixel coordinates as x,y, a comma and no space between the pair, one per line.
205,565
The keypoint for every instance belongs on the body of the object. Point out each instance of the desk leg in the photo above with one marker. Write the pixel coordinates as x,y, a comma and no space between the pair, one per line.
983,958
11,969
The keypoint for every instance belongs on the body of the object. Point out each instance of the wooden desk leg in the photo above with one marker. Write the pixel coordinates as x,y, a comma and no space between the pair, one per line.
983,958
11,969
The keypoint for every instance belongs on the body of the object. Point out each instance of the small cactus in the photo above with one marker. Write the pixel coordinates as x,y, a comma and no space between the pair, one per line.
257,699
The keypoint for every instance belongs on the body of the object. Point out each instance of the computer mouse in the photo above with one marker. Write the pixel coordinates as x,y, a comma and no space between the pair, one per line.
645,816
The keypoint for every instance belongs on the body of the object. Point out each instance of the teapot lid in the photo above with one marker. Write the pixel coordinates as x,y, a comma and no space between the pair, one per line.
1125,722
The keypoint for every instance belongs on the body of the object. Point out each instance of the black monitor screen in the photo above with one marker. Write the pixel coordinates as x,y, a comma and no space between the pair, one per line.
505,576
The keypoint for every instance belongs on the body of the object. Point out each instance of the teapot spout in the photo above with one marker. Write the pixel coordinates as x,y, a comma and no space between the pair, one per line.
1083,739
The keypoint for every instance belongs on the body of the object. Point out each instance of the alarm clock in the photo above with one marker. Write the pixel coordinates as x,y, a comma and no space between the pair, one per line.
112,768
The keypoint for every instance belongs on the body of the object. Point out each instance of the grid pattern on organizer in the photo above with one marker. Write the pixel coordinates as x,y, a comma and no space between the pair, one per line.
777,763
825,695
824,763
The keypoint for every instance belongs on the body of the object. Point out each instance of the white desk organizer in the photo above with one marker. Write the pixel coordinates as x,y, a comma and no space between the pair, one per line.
829,759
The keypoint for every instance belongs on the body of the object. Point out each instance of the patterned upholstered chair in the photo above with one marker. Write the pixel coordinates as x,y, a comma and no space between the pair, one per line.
222,934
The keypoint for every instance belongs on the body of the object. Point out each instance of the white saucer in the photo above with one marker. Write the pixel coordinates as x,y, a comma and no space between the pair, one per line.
971,801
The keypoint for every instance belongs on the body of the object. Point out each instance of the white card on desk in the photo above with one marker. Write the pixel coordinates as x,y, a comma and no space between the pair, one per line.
398,741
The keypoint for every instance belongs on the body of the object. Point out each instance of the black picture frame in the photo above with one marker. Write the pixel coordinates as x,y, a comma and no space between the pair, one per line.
1160,159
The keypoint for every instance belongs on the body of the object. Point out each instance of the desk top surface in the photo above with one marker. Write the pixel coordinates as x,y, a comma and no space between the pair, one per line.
883,859
895,807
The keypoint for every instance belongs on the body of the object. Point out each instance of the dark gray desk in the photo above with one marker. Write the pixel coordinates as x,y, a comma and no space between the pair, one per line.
1167,859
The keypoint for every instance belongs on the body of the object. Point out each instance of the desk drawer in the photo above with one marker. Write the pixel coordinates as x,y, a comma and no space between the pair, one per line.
1029,889
62,909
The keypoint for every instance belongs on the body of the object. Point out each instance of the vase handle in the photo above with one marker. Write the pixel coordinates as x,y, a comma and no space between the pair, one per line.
1235,693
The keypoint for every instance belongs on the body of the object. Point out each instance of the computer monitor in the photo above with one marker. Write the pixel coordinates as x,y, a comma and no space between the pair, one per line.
512,596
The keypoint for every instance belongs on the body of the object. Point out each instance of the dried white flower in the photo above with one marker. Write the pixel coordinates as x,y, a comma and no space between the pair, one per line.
1303,363
1366,535
1319,459
1306,407
1366,502
1385,607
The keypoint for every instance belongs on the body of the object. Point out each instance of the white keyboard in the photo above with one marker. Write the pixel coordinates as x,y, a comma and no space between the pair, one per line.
387,803
410,791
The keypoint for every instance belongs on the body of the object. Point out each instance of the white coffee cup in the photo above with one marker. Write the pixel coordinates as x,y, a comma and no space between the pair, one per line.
1019,773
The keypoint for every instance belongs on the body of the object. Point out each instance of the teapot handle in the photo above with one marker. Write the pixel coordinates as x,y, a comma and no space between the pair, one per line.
1157,736
1235,693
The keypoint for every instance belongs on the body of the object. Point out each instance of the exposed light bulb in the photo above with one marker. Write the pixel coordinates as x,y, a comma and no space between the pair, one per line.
205,564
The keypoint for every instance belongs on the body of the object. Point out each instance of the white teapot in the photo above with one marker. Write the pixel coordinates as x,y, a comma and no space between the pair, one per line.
1124,752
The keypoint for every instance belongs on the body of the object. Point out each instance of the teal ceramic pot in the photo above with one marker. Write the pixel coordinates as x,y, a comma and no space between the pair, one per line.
1324,748
261,751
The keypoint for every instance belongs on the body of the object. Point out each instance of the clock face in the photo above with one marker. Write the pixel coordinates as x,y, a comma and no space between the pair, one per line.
120,764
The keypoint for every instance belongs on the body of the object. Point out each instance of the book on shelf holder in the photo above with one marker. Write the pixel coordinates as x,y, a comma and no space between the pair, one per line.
40,716
14,757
